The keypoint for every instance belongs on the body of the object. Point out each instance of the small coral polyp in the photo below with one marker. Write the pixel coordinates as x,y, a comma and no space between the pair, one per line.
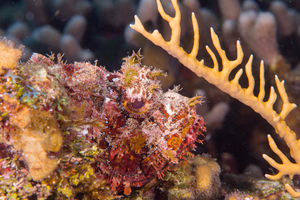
78,125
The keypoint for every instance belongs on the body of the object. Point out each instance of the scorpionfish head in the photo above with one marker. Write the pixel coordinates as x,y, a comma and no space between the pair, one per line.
141,88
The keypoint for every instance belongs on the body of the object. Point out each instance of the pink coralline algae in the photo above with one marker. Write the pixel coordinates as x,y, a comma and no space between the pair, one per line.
77,128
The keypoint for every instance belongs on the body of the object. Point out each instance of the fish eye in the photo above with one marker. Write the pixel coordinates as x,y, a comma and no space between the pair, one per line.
137,106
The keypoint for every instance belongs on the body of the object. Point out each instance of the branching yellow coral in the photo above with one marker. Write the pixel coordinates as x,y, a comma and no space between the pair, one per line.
233,88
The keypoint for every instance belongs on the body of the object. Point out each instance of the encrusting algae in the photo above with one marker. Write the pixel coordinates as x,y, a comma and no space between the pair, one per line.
77,129
9,54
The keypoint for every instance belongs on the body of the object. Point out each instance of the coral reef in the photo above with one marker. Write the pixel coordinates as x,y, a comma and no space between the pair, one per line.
70,125
185,181
93,29
80,29
220,78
